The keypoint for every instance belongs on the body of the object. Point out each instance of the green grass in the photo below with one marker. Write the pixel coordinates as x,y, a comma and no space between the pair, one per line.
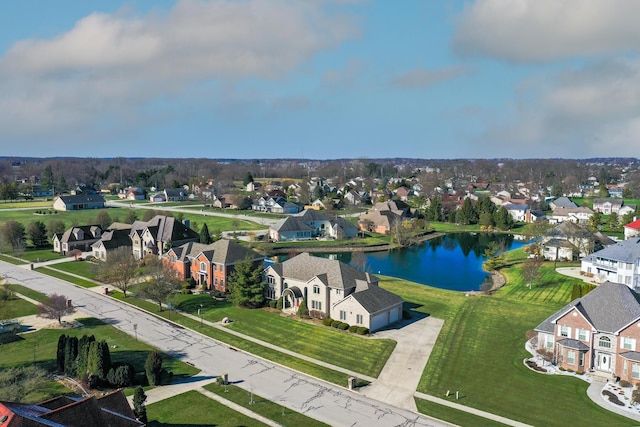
292,362
37,255
283,416
41,346
35,295
192,409
86,269
11,260
16,307
66,277
481,348
27,204
452,415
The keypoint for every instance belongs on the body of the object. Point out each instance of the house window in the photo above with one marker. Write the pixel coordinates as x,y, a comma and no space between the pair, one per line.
548,342
359,319
565,331
316,305
583,335
173,258
203,266
571,357
216,281
271,280
628,343
338,291
343,315
624,368
635,371
271,293
604,342
316,289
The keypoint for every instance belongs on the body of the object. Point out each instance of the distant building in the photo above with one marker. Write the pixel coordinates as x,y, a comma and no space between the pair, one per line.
79,202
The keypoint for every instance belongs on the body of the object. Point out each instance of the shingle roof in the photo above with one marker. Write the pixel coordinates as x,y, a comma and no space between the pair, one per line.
564,202
291,223
188,250
113,239
631,355
609,308
305,267
575,344
82,198
627,251
634,225
375,299
228,252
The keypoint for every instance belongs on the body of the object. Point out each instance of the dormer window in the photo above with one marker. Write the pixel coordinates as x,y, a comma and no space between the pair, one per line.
203,266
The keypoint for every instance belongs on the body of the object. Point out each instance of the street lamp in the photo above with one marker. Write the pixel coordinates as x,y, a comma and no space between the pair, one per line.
200,313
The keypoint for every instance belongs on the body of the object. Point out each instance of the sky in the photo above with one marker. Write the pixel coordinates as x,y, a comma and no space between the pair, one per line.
320,79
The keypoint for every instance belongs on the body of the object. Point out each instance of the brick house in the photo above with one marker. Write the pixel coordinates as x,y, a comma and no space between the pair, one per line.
209,265
597,333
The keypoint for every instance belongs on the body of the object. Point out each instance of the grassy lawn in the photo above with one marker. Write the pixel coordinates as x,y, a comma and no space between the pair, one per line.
295,363
71,279
192,409
86,269
11,260
36,255
268,409
481,347
453,416
16,307
35,295
27,204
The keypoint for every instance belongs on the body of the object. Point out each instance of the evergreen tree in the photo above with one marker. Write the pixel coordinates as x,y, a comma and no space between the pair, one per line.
503,219
70,354
46,178
37,233
83,354
62,343
153,368
139,408
245,285
205,237
467,214
303,310
98,359
247,179
434,211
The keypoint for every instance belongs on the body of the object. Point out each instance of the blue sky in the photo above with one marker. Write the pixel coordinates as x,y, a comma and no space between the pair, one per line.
320,79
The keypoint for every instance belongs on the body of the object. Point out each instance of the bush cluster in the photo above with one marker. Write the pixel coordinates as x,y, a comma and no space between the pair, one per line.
360,330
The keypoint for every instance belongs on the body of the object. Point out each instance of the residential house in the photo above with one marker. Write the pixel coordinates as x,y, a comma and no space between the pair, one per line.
607,206
562,202
625,209
108,410
356,198
579,215
381,217
619,263
519,213
111,240
311,224
333,289
597,333
277,204
79,202
403,193
176,194
570,241
80,238
157,198
210,265
632,229
159,234
132,193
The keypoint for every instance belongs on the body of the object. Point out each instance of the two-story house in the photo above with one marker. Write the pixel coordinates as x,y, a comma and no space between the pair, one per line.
209,265
570,241
311,224
81,238
159,234
619,263
599,332
333,289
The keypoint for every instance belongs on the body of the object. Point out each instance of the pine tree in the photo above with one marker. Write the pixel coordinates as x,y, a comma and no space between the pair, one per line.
245,285
70,354
153,368
139,408
62,343
83,354
303,310
205,237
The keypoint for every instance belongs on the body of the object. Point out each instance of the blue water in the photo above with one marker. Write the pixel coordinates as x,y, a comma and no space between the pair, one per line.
451,262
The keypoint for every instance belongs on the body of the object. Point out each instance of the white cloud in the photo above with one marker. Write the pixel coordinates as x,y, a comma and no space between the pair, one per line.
423,77
117,64
544,30
594,110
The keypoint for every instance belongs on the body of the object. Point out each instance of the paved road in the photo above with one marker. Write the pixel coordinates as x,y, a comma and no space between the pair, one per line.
326,402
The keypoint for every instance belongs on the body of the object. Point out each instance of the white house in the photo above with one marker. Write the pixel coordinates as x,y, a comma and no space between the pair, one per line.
619,263
333,289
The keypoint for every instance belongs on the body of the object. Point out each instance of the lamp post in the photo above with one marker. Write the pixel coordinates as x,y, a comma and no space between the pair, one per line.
200,313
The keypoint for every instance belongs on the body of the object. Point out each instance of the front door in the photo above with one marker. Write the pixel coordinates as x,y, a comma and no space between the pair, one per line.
604,362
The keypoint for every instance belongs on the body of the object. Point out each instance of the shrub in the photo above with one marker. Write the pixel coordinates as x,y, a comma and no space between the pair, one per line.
279,303
635,395
579,372
121,375
327,321
153,368
317,314
343,326
184,286
362,330
273,303
562,369
353,328
570,370
303,311
625,384
335,323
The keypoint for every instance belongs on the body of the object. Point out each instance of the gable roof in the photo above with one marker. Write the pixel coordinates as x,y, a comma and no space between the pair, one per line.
374,299
228,252
627,251
339,275
82,198
608,308
291,223
113,239
164,229
634,225
563,202
88,231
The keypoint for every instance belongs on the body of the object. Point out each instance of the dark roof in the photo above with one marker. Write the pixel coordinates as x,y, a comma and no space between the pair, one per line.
574,344
291,223
374,299
114,239
88,231
82,198
305,267
564,202
228,252
188,250
631,355
608,308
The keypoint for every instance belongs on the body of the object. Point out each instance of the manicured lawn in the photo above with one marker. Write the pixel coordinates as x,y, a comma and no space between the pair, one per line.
35,295
549,288
11,260
72,279
192,409
266,408
86,269
16,307
37,255
453,416
309,368
480,352
27,204
68,217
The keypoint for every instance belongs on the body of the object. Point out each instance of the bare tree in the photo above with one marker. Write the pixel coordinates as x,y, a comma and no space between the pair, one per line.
530,271
161,283
119,269
54,307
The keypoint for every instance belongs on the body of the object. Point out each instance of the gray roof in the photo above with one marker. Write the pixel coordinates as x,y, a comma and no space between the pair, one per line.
627,251
575,344
631,355
82,198
608,308
228,252
113,239
375,299
564,202
166,229
569,229
291,223
89,232
188,250
338,275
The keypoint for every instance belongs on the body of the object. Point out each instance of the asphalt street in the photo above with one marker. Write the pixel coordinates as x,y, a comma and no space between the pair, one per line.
320,400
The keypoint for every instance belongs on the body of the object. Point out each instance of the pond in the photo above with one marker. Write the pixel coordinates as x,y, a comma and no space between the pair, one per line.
453,261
